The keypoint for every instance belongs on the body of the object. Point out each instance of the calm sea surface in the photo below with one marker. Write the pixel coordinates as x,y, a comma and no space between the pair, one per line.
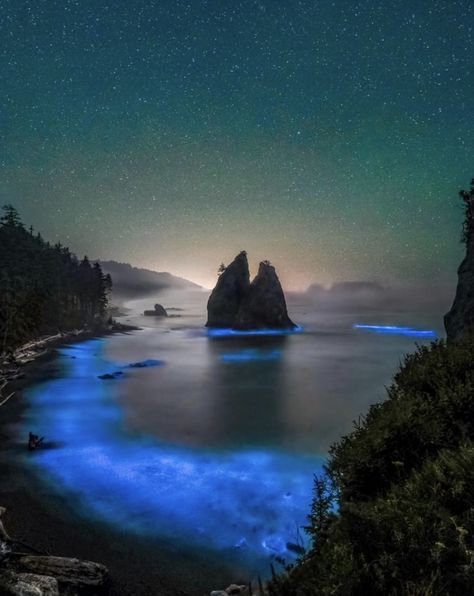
212,443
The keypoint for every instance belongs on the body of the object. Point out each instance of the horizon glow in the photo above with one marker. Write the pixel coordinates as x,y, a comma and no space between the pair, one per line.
173,136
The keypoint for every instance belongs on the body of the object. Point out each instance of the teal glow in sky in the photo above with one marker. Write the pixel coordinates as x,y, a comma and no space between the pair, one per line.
328,137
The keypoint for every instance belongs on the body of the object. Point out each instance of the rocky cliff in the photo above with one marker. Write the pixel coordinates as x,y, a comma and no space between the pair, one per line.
264,306
232,285
239,304
459,321
460,318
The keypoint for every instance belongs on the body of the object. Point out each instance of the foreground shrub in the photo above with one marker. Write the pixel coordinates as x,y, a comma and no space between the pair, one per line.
402,484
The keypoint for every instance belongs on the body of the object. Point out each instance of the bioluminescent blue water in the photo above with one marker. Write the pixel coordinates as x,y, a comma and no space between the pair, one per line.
251,355
228,332
248,502
395,330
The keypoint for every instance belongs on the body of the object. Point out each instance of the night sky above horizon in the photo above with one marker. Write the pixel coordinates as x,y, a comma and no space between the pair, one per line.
328,137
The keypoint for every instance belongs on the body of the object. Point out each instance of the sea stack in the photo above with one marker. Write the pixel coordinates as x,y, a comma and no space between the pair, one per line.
159,311
238,304
264,306
460,319
232,285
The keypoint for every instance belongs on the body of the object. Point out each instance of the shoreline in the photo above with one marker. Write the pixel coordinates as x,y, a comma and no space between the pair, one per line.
46,520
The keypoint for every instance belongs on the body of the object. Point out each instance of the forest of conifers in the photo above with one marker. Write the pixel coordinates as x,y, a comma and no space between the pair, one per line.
44,288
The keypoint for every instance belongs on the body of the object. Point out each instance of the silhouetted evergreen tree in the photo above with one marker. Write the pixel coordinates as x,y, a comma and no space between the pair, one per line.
468,198
42,287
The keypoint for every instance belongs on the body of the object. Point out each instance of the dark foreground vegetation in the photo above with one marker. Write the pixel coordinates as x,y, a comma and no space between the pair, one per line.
44,288
394,512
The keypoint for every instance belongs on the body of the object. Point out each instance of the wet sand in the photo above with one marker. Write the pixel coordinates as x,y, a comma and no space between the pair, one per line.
47,521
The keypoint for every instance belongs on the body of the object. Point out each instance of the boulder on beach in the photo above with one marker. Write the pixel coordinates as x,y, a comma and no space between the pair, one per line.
264,305
158,311
232,286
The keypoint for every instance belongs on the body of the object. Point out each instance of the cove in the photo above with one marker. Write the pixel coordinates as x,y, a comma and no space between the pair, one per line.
243,503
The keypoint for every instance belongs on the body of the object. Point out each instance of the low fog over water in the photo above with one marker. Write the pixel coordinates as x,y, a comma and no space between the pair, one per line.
299,391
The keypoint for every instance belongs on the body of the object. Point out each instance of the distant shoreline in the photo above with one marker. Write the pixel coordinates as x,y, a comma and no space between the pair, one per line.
41,345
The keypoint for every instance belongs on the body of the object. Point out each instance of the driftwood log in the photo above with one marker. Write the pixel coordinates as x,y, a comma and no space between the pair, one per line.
65,570
27,584
3,533
24,574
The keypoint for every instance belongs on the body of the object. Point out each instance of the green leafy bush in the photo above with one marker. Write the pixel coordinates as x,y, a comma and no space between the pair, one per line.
403,486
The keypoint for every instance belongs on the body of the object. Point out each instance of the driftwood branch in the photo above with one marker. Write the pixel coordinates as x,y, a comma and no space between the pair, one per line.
3,532
5,399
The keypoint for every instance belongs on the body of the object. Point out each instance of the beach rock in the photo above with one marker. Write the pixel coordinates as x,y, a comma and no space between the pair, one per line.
3,533
111,376
28,584
159,311
459,321
66,570
231,288
146,363
234,590
264,305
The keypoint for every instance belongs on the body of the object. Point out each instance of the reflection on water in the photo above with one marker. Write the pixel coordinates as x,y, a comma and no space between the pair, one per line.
246,501
251,355
253,333
211,442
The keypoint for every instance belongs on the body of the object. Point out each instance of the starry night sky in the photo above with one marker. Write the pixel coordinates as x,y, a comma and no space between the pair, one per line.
328,137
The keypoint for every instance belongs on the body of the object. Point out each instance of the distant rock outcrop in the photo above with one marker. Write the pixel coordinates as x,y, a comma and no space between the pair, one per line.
232,285
239,304
316,291
159,311
363,289
264,305
460,319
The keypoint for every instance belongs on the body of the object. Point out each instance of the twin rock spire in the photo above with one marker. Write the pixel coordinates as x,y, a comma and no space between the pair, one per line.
238,304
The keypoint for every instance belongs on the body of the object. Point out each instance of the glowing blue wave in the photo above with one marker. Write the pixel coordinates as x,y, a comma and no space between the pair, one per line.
228,332
246,502
252,355
395,330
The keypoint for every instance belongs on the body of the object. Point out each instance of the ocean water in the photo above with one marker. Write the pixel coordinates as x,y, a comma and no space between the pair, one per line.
211,443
